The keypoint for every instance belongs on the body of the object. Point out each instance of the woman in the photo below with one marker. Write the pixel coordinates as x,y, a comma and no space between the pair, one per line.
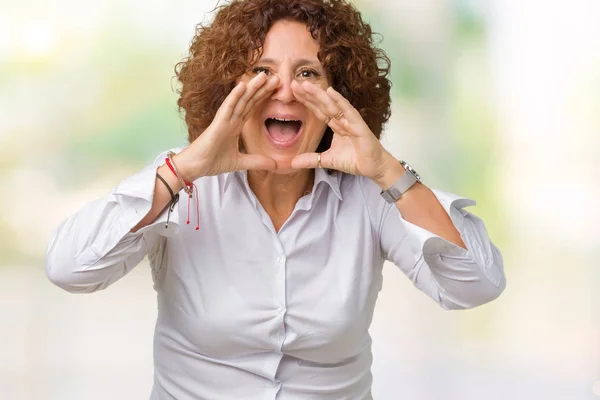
295,205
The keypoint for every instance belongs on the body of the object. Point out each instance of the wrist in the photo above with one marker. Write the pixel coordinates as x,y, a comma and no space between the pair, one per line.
184,166
392,171
170,178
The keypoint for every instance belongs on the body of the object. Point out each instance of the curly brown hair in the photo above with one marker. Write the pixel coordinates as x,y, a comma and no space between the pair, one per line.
225,49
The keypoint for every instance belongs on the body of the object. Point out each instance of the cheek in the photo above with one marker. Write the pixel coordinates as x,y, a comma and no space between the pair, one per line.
323,84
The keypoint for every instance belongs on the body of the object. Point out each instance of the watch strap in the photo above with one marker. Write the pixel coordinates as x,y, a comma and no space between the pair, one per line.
405,182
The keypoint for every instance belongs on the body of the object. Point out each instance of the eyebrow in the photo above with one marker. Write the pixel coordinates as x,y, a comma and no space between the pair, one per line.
297,63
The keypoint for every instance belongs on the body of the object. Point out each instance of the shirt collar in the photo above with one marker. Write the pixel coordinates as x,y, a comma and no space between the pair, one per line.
332,179
321,175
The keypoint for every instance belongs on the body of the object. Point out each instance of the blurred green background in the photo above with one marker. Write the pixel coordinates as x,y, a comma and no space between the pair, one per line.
494,100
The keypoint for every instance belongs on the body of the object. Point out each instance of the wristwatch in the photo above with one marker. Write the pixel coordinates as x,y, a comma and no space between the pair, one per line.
409,178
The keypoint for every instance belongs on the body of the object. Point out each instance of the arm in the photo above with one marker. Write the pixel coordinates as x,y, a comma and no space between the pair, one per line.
419,204
161,197
443,249
107,238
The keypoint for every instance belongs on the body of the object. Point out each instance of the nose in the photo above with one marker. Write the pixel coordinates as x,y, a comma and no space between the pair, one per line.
284,92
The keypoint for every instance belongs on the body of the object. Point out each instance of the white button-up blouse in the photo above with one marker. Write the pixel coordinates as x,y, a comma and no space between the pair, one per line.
245,312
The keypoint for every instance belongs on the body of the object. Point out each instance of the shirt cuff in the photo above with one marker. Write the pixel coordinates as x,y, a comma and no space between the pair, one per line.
135,195
472,231
124,207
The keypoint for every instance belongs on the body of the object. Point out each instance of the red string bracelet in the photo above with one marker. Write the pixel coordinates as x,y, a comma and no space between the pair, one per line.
188,188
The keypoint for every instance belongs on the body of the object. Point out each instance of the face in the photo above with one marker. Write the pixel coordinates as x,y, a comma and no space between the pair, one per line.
281,127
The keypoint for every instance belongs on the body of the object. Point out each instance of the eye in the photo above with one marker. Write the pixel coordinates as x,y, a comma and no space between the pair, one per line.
258,70
309,73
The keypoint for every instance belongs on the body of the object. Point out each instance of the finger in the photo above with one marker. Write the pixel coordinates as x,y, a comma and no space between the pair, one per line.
337,125
320,97
350,112
308,160
308,100
226,108
256,162
260,95
251,88
312,107
333,102
350,121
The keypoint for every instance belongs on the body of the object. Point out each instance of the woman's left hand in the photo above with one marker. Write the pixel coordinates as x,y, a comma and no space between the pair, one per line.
354,149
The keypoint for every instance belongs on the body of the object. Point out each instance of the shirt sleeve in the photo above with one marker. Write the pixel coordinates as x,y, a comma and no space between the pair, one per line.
94,247
452,276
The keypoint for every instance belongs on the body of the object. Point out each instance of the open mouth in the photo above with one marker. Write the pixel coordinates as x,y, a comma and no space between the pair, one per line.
282,131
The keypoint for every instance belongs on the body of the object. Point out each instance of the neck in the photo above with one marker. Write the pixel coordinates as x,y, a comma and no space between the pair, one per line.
279,193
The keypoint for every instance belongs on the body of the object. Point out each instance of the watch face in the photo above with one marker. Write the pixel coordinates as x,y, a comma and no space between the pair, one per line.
411,170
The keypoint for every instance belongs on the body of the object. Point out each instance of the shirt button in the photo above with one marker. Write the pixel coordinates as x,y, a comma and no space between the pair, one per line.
281,310
280,259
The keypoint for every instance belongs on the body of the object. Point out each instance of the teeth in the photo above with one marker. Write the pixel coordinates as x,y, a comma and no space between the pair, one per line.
285,120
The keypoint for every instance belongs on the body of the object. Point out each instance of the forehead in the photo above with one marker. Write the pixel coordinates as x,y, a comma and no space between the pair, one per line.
290,39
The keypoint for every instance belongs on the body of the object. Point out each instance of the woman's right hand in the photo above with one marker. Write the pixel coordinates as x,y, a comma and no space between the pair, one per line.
216,150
